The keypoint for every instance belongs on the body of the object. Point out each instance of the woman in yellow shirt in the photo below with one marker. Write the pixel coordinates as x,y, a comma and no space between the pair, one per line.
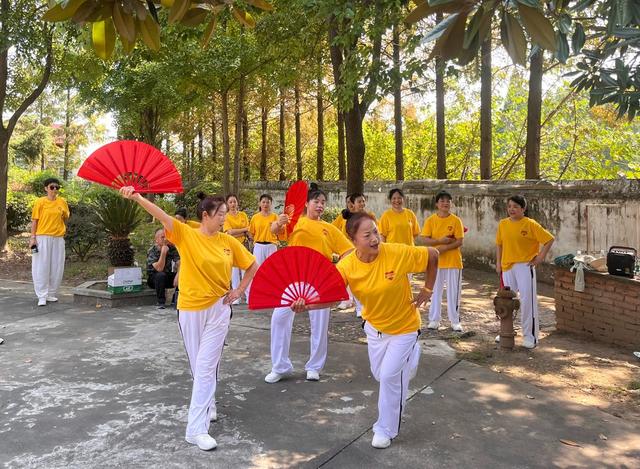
377,272
48,218
314,233
236,224
518,253
398,224
265,241
206,258
444,231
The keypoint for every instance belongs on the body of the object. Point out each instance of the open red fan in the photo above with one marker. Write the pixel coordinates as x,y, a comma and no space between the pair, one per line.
296,272
294,203
131,163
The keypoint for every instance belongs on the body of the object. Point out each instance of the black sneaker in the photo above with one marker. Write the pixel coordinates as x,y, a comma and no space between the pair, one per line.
160,306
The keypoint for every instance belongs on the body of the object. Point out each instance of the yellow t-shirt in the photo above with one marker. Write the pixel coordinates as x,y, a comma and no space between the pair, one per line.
260,228
520,240
321,236
437,227
51,215
205,265
383,286
399,227
192,223
234,222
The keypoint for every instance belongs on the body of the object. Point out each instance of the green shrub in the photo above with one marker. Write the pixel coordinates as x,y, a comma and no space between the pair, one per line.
19,205
84,236
189,199
331,213
36,182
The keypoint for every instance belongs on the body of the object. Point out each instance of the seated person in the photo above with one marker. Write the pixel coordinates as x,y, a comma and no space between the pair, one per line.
162,259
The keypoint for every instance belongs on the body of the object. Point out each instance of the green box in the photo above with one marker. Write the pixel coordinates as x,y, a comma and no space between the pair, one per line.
124,289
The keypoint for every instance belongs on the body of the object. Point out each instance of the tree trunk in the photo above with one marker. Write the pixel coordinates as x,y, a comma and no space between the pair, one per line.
320,145
200,146
534,112
246,168
441,156
214,133
281,130
226,156
296,92
355,149
237,149
397,105
67,125
486,144
342,155
263,144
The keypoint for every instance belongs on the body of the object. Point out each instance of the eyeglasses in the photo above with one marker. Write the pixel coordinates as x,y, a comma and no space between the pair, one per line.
54,187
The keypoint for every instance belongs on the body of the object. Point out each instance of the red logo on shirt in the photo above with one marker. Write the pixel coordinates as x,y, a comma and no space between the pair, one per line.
227,251
524,232
389,275
450,227
325,232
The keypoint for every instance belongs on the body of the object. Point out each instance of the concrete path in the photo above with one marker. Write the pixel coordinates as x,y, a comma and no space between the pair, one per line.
82,387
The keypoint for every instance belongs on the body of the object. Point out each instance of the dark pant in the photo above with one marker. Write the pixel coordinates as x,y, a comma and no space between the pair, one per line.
161,281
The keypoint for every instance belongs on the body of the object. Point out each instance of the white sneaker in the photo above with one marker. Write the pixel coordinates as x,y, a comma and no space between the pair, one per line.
358,314
204,441
274,377
456,327
498,339
42,302
528,343
345,304
433,325
380,441
313,375
51,299
636,354
214,414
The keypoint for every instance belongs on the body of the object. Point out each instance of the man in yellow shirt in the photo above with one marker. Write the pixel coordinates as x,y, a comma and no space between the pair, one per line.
445,232
518,253
48,218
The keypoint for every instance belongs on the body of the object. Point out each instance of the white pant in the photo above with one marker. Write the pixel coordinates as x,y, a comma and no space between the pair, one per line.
47,265
236,277
281,325
452,278
394,361
522,279
203,333
261,251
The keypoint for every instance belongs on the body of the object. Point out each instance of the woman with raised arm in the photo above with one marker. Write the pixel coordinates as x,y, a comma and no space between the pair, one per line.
206,258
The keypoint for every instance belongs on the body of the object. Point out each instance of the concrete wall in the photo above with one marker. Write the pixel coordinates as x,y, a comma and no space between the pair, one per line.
584,215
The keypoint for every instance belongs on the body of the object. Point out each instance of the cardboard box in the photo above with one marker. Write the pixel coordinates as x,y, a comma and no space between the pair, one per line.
124,289
125,276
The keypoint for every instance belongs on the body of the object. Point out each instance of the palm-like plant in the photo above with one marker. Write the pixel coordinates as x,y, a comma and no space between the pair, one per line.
118,217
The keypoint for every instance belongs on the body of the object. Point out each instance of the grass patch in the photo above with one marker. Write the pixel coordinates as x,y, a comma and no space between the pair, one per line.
633,385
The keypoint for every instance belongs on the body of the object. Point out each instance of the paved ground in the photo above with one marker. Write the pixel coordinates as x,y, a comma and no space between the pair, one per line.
82,387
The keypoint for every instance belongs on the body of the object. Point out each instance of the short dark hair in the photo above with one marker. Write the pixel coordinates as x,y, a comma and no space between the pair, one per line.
266,196
315,192
354,220
353,197
226,199
443,194
209,203
394,191
50,181
182,212
518,199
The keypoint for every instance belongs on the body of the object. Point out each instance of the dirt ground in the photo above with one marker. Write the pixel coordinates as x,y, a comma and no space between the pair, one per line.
575,369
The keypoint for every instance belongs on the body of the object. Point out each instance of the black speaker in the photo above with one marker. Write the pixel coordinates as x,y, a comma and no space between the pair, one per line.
621,261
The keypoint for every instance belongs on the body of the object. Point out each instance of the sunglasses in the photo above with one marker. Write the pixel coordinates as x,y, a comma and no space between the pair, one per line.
54,187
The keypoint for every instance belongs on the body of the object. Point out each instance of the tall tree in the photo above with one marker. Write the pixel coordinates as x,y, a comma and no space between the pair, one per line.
23,40
534,113
296,92
397,104
486,127
282,176
320,131
342,154
441,157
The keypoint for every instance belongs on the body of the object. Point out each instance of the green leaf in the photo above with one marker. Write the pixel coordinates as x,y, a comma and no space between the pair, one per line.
562,51
538,27
564,23
578,38
424,9
513,38
477,26
103,36
440,28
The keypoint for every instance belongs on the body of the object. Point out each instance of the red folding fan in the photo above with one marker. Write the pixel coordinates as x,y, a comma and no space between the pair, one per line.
131,163
294,203
296,272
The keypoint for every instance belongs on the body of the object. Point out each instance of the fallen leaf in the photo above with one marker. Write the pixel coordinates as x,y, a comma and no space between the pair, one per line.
455,435
570,443
530,397
602,437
